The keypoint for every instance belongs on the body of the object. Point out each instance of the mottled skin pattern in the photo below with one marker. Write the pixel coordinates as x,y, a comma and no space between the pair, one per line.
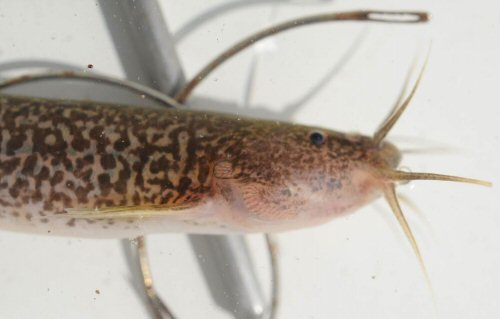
228,173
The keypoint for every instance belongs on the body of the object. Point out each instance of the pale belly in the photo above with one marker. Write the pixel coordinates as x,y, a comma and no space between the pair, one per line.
211,217
208,218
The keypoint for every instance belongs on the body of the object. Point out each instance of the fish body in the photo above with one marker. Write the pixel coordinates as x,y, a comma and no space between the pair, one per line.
89,169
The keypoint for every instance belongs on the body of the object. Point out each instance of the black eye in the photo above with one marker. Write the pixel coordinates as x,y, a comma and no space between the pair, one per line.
317,138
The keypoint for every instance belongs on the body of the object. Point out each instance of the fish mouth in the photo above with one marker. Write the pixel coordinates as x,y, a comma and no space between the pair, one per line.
390,154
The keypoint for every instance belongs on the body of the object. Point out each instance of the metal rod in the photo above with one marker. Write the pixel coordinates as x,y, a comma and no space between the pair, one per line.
143,43
231,278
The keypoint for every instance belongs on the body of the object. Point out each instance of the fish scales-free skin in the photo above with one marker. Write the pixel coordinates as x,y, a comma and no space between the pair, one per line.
172,170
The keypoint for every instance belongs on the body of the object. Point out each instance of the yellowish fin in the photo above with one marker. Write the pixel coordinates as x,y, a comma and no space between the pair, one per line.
127,211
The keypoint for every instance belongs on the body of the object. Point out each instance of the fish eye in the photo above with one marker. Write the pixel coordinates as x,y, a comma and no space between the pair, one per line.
317,138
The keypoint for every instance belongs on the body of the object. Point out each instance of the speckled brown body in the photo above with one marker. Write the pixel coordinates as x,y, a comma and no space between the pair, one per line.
256,175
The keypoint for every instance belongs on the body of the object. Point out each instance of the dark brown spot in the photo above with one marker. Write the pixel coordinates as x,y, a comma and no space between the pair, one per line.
83,192
43,175
15,143
37,196
183,185
97,132
18,186
57,178
154,167
120,187
122,143
59,197
204,170
29,164
108,161
10,165
104,184
89,159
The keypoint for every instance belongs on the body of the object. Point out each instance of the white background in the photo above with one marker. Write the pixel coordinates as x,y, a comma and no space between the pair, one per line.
360,266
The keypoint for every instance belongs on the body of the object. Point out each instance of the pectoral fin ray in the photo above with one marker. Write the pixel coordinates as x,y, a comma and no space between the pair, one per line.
118,212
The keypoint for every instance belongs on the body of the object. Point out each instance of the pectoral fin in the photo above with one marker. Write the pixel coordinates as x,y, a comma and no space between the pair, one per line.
118,212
